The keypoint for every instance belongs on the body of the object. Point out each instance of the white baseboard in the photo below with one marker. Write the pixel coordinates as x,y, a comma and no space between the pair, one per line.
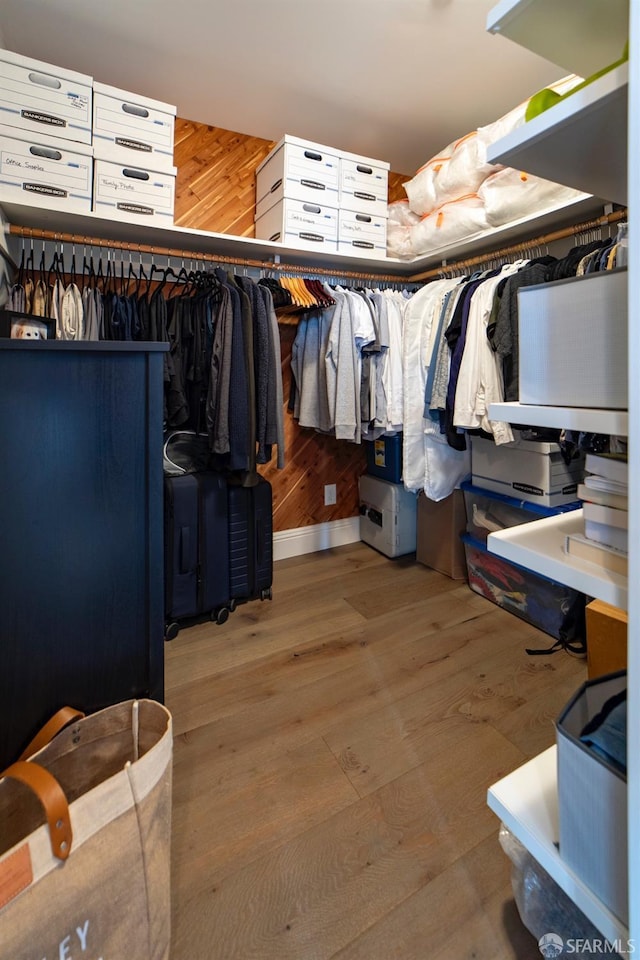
320,536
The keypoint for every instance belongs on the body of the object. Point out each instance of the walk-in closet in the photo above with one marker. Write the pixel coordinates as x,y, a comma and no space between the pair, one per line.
317,337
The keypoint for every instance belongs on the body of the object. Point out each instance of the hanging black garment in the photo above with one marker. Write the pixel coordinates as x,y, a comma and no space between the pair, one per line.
176,400
260,364
241,455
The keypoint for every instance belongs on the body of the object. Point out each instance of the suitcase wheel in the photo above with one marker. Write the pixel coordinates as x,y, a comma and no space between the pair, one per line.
221,615
233,605
171,630
266,594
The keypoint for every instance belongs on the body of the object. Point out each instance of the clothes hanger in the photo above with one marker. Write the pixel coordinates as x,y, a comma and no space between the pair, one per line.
305,295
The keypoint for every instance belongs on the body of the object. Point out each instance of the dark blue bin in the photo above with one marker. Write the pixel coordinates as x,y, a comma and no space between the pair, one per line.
384,458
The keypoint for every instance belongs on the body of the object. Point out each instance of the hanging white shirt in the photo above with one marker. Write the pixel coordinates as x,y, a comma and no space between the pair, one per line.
480,380
392,373
428,462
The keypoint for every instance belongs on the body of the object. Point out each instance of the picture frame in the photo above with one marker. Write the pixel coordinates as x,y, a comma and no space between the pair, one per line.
24,326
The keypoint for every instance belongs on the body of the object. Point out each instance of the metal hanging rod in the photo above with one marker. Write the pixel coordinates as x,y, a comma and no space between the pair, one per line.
518,248
140,248
270,266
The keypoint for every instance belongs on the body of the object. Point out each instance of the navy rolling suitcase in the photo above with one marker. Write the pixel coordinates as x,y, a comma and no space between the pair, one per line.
250,541
196,549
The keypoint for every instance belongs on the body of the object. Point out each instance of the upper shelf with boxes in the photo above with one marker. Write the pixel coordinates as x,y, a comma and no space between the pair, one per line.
82,145
311,196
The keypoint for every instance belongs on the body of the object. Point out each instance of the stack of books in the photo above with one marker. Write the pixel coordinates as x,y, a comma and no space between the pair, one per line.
605,496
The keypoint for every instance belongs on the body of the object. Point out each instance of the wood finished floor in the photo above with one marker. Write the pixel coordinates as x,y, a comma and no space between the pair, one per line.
333,749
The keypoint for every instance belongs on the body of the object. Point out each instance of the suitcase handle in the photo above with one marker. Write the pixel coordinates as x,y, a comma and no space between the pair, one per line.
260,541
185,553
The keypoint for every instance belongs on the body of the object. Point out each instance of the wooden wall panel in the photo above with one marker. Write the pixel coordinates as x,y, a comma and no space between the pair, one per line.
215,190
396,188
215,185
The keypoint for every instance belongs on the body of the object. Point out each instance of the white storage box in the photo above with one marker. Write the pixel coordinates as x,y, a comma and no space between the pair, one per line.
362,234
133,194
128,128
299,224
43,99
527,469
297,170
387,516
592,800
33,170
573,341
364,185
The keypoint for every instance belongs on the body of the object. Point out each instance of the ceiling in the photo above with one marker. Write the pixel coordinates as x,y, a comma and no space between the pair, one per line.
394,80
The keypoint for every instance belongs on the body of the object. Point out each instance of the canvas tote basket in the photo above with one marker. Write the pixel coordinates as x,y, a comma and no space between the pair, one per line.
91,880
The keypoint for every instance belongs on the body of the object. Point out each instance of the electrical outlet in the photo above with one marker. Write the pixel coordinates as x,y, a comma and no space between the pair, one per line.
329,494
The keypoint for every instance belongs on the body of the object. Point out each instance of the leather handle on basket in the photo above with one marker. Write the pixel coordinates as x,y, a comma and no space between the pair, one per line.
58,722
52,797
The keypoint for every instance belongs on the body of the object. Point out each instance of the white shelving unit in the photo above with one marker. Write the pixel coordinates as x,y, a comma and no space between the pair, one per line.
581,36
564,144
540,546
613,422
572,143
526,801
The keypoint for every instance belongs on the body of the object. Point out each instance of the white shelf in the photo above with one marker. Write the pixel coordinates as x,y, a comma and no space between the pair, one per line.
580,142
584,206
103,227
526,801
613,422
539,546
581,36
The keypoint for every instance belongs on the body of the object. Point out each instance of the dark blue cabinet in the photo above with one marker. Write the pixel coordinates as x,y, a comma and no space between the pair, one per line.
81,530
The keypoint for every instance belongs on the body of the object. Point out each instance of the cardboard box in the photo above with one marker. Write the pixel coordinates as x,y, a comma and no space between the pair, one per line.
297,223
573,341
606,639
526,469
439,527
133,194
56,173
129,128
592,800
45,100
298,170
387,516
364,185
362,234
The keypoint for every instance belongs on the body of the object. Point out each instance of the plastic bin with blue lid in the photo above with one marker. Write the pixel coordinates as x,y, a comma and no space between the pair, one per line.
544,603
488,511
